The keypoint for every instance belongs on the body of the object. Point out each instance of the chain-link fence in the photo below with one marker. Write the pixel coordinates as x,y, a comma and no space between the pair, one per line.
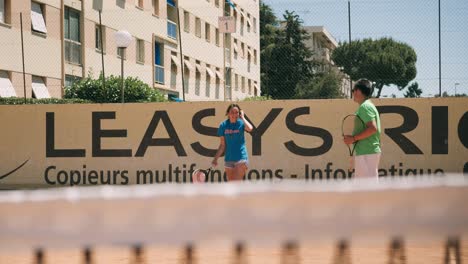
279,49
394,43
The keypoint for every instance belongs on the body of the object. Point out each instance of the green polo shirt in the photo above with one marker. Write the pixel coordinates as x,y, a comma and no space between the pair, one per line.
371,145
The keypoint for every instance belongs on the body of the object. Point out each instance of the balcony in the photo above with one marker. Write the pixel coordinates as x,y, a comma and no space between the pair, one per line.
171,29
325,52
159,74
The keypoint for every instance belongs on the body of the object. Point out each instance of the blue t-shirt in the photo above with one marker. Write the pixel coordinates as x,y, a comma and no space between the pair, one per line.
234,139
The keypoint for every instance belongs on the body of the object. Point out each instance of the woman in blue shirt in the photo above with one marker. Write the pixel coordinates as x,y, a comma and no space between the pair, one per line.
232,143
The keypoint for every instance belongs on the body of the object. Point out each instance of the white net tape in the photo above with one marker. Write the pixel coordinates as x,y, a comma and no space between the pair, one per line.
413,208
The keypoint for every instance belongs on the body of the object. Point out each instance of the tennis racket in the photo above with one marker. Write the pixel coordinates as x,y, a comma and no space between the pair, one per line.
350,126
201,175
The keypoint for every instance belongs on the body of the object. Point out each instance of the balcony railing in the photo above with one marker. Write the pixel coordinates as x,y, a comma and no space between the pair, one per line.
325,54
171,29
72,52
159,74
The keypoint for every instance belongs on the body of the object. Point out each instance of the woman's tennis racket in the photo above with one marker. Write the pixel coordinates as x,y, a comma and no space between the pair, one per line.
201,175
350,126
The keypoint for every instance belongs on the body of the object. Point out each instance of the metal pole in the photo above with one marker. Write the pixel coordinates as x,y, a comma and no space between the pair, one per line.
181,54
224,65
22,53
122,72
349,32
440,58
102,54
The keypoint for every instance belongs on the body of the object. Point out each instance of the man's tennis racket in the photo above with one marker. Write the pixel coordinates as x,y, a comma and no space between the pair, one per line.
350,126
201,175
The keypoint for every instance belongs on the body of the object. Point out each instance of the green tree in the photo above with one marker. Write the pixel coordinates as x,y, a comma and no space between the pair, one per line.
288,60
325,85
413,91
383,61
269,31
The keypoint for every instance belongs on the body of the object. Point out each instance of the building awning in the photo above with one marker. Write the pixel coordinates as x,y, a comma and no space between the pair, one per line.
175,60
220,76
6,87
171,3
37,18
198,66
174,97
242,13
188,65
210,72
249,23
39,88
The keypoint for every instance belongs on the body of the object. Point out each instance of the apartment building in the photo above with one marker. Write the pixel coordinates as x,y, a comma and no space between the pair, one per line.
177,46
322,43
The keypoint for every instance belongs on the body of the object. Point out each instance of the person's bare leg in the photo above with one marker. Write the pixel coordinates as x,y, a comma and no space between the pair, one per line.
230,173
240,171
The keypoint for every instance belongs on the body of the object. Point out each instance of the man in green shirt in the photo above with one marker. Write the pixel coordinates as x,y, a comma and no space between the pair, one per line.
367,140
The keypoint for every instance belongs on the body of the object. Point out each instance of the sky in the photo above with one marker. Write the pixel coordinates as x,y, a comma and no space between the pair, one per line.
414,22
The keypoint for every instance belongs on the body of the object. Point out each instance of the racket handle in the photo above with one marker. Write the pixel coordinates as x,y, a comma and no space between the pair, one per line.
351,163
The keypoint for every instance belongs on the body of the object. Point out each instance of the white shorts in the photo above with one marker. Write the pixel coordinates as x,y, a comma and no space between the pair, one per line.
366,166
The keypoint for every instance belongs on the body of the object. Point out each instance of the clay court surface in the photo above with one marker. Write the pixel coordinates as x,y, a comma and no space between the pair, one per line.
221,253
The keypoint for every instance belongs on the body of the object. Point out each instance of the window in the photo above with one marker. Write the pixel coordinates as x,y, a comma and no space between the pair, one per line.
207,32
140,3
121,53
249,86
140,52
218,84
236,82
217,3
242,50
198,27
39,89
254,22
236,49
255,57
37,18
217,37
197,77
171,29
100,40
248,62
242,24
187,21
227,84
248,23
187,68
243,84
159,63
4,7
72,36
227,8
6,87
70,80
156,7
209,73
235,14
173,75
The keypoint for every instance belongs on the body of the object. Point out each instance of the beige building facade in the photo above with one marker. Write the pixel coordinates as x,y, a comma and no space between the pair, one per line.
322,43
195,62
